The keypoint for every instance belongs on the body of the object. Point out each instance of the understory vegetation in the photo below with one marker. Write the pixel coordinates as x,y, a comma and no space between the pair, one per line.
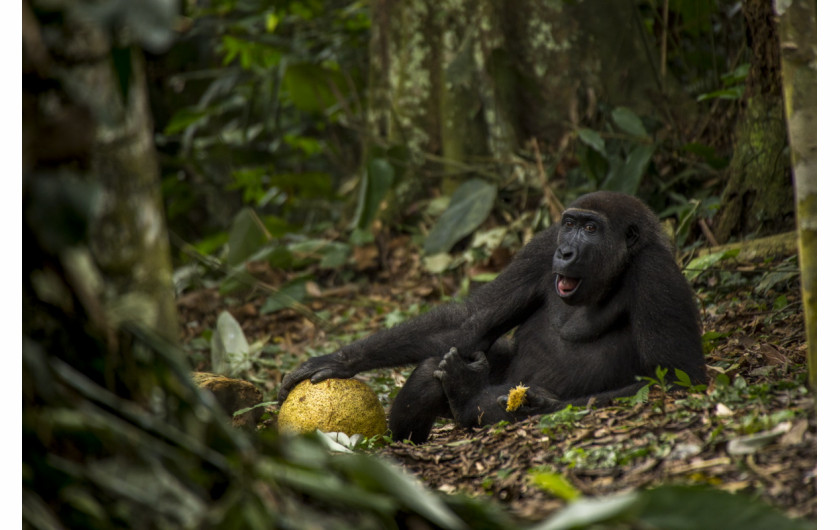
301,220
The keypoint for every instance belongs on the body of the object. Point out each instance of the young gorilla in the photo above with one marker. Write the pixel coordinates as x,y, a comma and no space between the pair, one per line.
598,300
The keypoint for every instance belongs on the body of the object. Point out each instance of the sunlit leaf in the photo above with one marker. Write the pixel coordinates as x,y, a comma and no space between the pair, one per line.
556,484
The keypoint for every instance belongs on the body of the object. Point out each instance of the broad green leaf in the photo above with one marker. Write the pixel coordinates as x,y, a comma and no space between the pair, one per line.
590,512
738,75
683,507
627,176
700,508
183,119
470,205
247,235
556,484
378,475
335,255
229,347
375,184
727,93
697,266
290,294
311,87
593,140
628,122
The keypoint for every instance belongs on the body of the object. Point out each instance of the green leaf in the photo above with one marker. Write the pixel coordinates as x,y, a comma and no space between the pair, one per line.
470,205
311,88
727,93
378,475
629,122
375,184
247,235
698,266
290,294
590,512
738,75
689,508
555,484
593,140
229,348
183,119
335,255
628,175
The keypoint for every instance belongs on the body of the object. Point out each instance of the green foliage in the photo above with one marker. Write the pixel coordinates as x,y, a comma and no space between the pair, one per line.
616,160
375,184
733,83
470,205
698,266
689,211
554,483
564,418
684,507
271,114
287,296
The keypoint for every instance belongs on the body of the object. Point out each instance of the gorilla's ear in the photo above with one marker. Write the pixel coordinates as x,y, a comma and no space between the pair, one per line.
632,235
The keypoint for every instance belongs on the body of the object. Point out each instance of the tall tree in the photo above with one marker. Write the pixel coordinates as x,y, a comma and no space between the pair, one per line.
758,196
86,118
463,85
798,44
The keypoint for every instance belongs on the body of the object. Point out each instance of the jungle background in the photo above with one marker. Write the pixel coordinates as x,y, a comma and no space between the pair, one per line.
298,174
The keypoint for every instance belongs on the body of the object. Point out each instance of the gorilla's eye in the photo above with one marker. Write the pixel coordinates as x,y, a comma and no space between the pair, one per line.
568,223
590,227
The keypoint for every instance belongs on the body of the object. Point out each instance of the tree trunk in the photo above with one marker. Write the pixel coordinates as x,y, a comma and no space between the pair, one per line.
463,85
87,95
758,197
798,40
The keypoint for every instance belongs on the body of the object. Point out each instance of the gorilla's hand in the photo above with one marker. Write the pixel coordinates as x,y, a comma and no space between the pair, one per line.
316,369
537,401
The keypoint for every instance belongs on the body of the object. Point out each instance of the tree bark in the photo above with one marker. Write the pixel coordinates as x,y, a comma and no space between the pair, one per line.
758,197
86,95
464,84
798,43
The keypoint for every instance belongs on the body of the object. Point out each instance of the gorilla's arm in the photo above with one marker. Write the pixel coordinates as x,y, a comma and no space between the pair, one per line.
474,325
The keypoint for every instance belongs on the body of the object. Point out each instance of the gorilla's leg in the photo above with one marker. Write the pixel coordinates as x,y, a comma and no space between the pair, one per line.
418,404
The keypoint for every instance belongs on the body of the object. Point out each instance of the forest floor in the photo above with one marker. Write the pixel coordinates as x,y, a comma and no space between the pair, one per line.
752,431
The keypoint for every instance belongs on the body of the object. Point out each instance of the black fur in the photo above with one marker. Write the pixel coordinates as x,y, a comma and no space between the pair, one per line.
624,310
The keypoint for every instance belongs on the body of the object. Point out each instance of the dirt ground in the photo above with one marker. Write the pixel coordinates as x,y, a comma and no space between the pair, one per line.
757,438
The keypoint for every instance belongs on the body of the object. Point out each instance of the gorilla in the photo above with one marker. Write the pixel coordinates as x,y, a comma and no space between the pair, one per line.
596,300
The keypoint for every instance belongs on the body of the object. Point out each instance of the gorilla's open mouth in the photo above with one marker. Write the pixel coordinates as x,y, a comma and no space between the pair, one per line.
566,286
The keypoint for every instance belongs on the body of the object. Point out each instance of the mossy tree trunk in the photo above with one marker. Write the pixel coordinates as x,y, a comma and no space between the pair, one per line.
758,198
463,84
798,40
85,96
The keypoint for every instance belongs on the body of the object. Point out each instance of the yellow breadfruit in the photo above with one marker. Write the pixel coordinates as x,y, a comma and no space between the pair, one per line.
333,405
516,397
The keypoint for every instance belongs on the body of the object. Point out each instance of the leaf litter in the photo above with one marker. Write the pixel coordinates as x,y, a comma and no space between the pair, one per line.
752,431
